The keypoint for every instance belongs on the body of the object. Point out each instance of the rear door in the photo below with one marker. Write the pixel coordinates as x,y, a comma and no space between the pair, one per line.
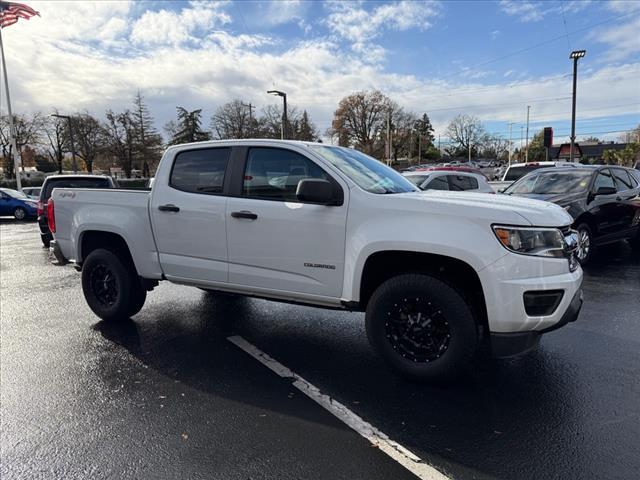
628,201
277,242
188,216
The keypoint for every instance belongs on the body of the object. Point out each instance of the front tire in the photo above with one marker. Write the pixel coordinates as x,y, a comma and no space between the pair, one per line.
111,288
19,213
586,247
422,327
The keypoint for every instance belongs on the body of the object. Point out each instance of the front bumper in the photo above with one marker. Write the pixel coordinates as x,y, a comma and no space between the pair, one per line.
509,344
54,248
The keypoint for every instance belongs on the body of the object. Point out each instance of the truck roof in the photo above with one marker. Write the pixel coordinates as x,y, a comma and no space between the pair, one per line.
247,141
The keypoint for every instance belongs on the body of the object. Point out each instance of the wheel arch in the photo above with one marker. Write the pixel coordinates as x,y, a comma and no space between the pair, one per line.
382,265
91,240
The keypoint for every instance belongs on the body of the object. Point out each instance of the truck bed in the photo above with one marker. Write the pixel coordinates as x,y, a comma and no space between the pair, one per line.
120,211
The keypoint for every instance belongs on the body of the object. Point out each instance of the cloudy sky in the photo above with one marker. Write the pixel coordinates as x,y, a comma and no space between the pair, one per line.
489,59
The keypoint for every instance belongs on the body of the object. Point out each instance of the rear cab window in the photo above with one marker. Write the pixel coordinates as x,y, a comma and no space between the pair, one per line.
515,173
98,182
200,171
458,183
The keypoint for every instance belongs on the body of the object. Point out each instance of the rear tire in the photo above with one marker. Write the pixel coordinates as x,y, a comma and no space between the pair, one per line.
19,213
586,246
422,327
111,288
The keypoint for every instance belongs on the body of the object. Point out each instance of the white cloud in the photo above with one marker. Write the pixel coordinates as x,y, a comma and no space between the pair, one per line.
623,38
50,67
352,22
169,27
534,11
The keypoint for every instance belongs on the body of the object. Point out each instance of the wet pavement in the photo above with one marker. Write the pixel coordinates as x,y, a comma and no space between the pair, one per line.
167,396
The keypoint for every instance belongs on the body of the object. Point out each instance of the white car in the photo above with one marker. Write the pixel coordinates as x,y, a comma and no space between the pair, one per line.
449,180
438,273
518,170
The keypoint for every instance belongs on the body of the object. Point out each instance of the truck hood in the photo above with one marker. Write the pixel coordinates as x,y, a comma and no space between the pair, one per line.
493,208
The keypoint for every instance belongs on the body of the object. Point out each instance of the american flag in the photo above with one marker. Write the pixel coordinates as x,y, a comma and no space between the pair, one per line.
10,12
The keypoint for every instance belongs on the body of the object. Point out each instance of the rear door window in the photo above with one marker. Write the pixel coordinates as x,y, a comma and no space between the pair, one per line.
438,183
72,183
459,183
200,171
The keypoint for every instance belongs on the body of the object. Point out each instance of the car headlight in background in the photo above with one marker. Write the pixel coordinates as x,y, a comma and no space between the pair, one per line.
541,242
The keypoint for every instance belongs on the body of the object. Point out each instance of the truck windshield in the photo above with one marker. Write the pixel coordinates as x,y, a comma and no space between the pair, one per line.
551,183
367,172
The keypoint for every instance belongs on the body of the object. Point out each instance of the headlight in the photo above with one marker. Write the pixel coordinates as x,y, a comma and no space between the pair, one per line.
541,242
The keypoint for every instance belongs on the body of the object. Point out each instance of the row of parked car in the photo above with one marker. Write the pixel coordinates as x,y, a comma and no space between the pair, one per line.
603,200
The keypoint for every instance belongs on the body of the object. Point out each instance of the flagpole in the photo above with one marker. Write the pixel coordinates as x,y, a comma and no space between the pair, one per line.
12,129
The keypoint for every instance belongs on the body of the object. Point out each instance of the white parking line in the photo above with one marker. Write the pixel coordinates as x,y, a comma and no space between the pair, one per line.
397,452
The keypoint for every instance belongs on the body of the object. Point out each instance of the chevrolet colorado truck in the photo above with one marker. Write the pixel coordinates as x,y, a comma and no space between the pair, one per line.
439,274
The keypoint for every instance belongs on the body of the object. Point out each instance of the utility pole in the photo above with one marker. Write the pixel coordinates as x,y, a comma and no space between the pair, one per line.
388,138
526,154
420,148
510,126
283,131
575,55
521,140
250,107
15,153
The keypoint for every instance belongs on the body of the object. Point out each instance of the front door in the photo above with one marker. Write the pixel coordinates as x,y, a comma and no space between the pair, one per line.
605,208
188,214
275,241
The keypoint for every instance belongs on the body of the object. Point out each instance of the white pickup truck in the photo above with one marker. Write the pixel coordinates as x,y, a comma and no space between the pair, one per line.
439,274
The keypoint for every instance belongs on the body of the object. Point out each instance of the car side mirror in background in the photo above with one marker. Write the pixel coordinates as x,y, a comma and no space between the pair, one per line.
315,190
606,191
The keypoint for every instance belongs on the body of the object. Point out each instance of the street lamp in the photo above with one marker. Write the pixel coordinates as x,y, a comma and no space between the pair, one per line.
576,54
278,93
73,150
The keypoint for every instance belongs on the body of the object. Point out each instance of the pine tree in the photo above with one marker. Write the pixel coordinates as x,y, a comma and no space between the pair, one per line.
148,142
305,130
188,127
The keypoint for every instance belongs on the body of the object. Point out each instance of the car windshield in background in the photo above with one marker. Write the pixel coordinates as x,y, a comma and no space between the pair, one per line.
551,183
516,173
417,180
367,172
15,193
74,183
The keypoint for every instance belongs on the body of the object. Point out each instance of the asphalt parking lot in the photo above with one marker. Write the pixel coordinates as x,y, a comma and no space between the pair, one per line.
168,396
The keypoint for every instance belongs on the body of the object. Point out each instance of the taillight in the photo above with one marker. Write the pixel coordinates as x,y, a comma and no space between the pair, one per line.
51,216
40,208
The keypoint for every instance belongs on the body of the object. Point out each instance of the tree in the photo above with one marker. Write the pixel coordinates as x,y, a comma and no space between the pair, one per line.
537,151
147,140
120,132
592,140
496,147
627,157
88,136
233,120
423,141
188,128
360,119
304,130
28,130
56,133
465,131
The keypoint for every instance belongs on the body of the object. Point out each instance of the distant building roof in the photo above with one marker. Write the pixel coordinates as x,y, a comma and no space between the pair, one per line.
586,150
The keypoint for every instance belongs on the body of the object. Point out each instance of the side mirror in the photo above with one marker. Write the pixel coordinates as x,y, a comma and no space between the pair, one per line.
606,191
315,190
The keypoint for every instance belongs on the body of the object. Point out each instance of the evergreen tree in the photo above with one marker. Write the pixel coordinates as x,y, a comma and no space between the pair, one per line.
305,130
188,127
148,142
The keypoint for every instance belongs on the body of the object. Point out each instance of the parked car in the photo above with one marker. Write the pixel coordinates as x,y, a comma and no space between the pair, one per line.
13,202
518,170
438,273
448,180
65,181
32,192
452,169
604,202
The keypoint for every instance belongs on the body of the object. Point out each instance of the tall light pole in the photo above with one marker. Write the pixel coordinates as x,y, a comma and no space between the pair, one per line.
278,93
73,150
576,54
510,126
526,152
